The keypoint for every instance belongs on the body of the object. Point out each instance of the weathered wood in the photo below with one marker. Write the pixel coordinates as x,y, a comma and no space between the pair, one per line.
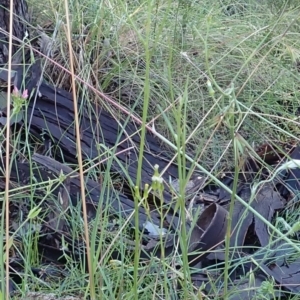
24,174
20,18
46,169
53,116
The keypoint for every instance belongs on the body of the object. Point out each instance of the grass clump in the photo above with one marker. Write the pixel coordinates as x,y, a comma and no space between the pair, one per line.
207,76
250,44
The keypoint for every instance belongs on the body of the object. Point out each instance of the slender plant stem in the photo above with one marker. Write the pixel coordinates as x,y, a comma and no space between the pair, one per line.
137,197
181,138
79,153
231,205
7,166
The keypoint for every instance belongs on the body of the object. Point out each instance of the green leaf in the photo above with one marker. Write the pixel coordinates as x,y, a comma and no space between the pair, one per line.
16,118
34,212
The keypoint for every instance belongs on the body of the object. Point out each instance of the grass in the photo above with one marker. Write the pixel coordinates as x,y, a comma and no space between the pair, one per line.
219,78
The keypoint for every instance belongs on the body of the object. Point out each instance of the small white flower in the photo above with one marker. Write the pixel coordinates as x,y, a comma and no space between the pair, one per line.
184,54
157,179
